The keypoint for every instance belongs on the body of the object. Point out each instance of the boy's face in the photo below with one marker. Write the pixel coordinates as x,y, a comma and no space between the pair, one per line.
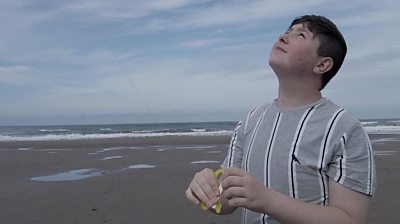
295,52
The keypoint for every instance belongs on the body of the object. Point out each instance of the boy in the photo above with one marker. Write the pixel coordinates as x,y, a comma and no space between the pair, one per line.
301,158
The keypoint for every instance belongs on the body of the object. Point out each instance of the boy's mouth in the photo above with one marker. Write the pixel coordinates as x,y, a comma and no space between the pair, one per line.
280,49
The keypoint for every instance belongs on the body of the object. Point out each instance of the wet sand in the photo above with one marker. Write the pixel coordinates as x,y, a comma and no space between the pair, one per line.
138,180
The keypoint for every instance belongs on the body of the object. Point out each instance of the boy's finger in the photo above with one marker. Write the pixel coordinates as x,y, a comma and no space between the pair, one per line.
208,182
192,197
209,187
213,184
233,181
200,195
233,172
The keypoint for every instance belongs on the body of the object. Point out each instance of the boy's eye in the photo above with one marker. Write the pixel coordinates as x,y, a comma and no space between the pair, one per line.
302,35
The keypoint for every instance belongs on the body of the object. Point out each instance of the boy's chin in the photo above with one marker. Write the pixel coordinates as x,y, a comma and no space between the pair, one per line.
275,65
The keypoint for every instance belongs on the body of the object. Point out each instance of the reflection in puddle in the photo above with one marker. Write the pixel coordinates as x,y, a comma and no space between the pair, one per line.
69,175
212,152
111,157
204,161
141,166
383,153
24,149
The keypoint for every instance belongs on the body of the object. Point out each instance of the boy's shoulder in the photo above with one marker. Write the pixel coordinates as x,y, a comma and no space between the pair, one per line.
254,115
347,115
347,119
259,110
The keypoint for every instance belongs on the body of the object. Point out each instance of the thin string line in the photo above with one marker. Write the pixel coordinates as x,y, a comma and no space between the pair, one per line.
124,71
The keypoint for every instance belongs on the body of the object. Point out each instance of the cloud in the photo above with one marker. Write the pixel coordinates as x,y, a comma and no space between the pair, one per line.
225,13
198,43
123,9
14,75
73,57
370,13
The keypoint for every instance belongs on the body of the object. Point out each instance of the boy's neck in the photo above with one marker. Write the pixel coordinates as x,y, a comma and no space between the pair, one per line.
297,96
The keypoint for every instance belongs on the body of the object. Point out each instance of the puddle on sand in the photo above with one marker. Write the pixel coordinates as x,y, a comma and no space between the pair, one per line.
24,149
205,161
384,153
141,166
111,157
214,152
69,175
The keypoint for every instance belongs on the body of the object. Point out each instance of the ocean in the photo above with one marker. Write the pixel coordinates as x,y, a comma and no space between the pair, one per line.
70,132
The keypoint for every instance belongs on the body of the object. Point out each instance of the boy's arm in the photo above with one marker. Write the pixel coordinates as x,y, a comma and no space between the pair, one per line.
345,205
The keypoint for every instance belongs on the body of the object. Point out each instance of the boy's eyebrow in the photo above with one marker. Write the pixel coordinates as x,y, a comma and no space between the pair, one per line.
301,29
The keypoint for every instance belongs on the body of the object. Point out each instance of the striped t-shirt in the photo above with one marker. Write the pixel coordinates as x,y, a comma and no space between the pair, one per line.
296,151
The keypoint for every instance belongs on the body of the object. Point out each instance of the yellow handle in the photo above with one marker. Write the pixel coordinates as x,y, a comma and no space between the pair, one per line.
218,205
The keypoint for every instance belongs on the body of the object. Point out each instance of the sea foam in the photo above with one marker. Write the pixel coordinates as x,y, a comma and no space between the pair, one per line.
50,137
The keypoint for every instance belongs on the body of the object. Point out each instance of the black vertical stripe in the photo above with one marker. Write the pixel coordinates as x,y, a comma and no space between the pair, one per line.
231,150
270,145
269,153
294,149
323,155
370,169
251,112
341,161
230,160
340,168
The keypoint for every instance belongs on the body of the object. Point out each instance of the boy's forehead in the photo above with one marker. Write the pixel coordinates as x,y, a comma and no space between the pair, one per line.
299,26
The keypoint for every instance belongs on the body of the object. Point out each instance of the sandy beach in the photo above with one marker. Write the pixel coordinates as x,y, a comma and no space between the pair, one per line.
138,180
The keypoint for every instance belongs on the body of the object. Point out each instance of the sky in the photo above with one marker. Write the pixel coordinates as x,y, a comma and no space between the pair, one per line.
120,61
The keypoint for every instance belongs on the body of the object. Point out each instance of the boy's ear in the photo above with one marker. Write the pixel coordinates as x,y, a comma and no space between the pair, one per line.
324,64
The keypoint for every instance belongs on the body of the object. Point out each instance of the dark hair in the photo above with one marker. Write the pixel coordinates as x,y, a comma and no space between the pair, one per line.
332,43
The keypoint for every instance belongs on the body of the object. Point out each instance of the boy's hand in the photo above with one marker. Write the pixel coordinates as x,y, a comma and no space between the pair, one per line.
203,188
243,190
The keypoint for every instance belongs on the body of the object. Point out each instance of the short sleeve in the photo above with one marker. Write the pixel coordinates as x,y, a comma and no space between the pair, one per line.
235,150
352,164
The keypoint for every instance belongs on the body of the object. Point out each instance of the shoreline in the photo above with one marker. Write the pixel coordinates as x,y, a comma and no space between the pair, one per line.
122,141
143,141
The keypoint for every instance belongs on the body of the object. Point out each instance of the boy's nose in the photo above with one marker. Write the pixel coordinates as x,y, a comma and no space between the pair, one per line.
283,38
